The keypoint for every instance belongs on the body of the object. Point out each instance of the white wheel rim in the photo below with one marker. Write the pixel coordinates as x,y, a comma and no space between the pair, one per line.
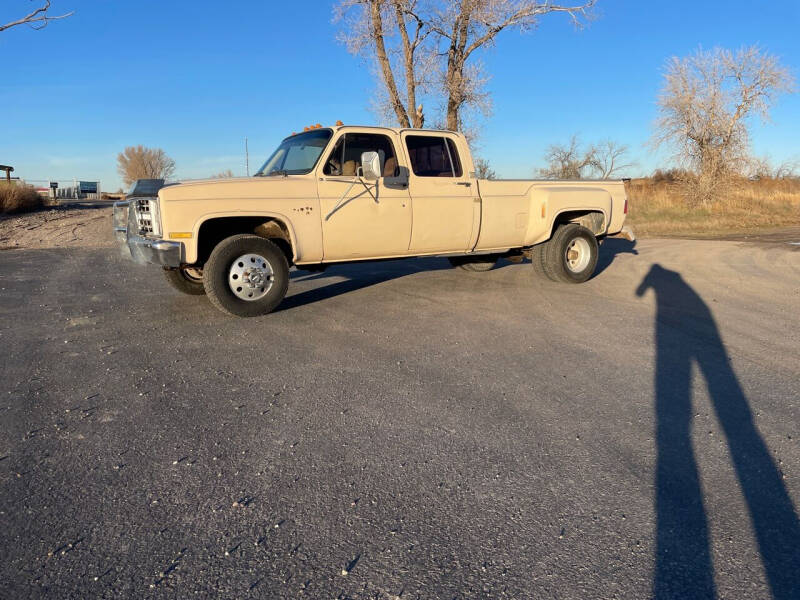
578,255
250,277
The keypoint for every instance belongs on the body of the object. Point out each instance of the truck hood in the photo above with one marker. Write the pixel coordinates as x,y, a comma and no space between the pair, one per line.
291,186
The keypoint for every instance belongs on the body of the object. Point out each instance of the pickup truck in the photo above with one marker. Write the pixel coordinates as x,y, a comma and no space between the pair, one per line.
349,193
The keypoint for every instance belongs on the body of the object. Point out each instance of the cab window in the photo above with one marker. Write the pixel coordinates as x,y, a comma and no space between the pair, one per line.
433,156
345,158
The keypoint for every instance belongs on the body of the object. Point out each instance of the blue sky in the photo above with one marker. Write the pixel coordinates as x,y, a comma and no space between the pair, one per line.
196,77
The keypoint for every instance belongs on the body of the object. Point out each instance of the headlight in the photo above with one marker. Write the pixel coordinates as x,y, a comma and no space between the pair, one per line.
148,216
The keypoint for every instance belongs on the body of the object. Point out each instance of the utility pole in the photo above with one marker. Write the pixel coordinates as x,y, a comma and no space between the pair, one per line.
246,157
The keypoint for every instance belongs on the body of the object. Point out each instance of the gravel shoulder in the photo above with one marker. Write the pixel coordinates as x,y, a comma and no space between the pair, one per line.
57,227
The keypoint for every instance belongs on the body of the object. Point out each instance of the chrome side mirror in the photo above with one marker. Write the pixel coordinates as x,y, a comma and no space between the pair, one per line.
371,166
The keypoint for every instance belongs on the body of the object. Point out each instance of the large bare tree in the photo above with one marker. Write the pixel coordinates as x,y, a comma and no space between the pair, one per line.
429,47
705,105
139,162
38,18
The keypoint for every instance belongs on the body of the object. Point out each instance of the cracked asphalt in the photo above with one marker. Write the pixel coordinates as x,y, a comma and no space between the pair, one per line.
405,430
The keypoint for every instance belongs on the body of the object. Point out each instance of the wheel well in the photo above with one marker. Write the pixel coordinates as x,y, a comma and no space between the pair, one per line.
593,220
213,231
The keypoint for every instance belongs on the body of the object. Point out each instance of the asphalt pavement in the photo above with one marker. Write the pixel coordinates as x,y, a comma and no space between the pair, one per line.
405,430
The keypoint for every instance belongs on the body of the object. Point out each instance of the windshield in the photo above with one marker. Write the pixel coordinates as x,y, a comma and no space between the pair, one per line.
297,154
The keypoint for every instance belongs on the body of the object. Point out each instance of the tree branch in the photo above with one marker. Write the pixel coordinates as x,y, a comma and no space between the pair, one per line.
528,13
38,19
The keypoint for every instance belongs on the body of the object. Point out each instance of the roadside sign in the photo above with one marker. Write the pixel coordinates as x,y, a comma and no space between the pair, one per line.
53,185
87,187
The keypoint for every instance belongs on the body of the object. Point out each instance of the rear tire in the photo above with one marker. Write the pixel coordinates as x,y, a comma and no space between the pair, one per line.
246,276
478,264
570,256
186,281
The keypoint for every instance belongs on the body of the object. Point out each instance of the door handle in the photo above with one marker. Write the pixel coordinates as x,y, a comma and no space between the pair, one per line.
466,183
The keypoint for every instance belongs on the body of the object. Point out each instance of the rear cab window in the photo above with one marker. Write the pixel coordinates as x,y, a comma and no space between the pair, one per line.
433,156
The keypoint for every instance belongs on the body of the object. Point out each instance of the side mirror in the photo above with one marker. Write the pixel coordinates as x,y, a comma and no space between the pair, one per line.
371,166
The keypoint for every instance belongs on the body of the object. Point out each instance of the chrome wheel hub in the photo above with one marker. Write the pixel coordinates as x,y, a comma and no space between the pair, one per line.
578,255
250,277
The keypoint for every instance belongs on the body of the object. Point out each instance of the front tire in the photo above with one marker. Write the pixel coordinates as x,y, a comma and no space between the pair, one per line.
246,276
187,281
570,256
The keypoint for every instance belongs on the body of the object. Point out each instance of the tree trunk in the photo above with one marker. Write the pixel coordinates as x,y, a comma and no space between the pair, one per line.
417,118
383,61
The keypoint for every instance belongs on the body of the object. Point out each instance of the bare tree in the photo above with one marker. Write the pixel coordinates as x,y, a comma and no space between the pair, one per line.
226,174
483,170
37,18
609,159
704,107
568,161
430,46
138,162
764,168
604,160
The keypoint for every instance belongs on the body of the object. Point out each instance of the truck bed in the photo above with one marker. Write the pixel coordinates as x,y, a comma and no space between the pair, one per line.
529,208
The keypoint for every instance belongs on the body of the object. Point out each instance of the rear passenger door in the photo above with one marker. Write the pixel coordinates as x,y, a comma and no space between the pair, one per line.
444,198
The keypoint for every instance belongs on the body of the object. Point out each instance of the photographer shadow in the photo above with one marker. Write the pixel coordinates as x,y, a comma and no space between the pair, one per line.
687,334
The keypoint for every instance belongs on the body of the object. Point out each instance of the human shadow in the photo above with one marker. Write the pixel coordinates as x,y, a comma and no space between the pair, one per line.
610,249
686,333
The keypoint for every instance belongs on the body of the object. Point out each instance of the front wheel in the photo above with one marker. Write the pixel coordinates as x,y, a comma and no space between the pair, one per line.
246,276
186,280
569,256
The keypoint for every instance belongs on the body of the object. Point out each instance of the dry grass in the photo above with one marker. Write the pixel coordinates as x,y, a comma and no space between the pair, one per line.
18,198
658,208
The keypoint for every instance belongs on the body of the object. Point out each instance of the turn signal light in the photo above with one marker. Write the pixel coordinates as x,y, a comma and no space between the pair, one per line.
180,235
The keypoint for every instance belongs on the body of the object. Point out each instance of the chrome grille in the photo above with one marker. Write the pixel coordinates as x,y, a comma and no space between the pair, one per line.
144,216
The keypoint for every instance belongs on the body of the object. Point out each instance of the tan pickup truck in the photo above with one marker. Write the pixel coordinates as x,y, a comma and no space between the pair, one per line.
347,193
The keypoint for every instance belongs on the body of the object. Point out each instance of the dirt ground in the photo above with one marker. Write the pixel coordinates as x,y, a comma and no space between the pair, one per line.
58,227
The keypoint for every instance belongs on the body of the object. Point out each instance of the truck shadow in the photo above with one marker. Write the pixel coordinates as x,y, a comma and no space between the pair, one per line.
362,275
610,249
686,334
358,276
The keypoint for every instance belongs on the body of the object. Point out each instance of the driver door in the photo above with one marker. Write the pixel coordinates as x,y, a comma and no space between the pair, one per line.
360,218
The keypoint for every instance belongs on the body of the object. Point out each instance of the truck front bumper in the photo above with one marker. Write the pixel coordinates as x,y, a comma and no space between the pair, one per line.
141,249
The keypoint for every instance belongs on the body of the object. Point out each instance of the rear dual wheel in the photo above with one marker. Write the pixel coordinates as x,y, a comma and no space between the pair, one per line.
570,256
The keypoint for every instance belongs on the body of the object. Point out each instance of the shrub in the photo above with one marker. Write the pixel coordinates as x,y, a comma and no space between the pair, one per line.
18,198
